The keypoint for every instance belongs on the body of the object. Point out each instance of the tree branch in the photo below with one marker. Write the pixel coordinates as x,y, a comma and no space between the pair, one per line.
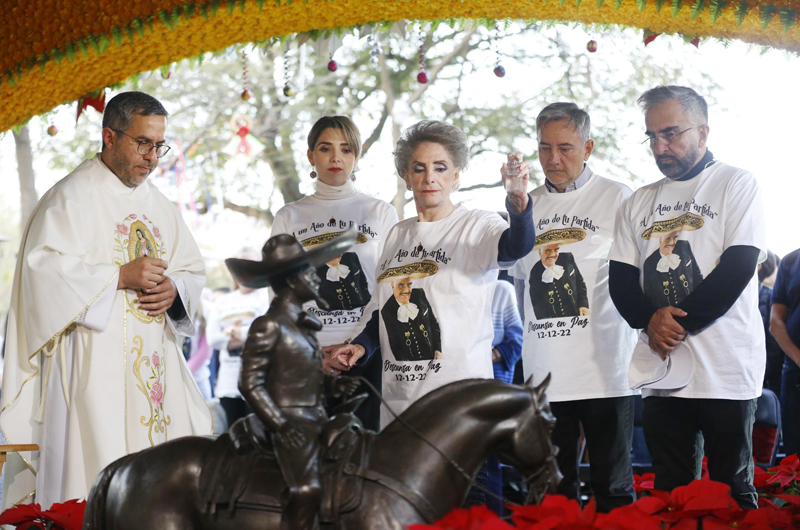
482,186
376,133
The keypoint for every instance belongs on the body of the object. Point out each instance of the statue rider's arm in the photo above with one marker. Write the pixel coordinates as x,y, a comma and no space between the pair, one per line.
258,350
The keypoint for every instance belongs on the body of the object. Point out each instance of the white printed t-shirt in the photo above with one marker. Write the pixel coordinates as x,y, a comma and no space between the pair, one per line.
308,220
588,355
443,333
719,208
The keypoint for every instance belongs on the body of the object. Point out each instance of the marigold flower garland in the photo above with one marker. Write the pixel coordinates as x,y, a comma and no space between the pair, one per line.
55,51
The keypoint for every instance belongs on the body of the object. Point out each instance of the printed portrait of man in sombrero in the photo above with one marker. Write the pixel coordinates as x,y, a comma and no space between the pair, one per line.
557,287
343,283
671,272
411,326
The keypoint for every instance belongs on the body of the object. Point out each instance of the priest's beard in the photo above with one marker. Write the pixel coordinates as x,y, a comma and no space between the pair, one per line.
674,167
128,171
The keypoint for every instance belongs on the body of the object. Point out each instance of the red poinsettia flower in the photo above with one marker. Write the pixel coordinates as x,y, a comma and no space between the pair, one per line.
555,511
475,518
763,479
644,482
699,498
23,513
765,518
787,471
627,518
67,516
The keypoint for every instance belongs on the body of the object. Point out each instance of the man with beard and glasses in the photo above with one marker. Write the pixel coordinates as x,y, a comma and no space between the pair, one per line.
107,279
718,210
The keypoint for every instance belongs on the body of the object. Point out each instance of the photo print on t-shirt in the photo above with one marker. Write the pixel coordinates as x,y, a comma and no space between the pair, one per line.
411,325
557,288
343,283
671,272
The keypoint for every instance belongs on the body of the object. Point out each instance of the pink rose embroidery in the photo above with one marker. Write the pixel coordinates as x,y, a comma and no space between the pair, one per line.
144,217
156,394
122,229
156,359
156,231
132,216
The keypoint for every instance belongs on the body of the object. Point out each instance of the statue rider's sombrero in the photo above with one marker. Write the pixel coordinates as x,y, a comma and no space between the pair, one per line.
319,239
687,221
415,271
559,236
282,254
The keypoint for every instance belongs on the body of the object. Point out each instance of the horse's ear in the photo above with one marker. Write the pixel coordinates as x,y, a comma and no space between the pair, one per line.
529,382
539,390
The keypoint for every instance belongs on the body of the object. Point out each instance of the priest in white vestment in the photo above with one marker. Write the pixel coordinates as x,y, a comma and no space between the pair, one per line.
108,276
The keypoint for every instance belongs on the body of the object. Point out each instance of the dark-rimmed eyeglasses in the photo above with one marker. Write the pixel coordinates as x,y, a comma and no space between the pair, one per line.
144,147
667,137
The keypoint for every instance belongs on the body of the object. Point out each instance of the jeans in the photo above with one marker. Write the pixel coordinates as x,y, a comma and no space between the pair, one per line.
608,426
680,431
790,406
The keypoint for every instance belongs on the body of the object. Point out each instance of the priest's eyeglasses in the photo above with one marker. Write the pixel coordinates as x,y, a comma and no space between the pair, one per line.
144,148
667,137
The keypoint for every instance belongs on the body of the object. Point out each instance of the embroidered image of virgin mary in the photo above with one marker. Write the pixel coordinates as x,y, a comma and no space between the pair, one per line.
411,325
671,272
141,243
343,283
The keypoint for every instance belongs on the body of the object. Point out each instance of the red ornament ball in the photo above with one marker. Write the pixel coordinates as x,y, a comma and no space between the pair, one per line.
592,46
246,95
332,66
499,71
422,77
52,130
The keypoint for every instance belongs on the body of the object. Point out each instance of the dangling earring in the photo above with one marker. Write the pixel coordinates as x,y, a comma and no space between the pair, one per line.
313,173
353,177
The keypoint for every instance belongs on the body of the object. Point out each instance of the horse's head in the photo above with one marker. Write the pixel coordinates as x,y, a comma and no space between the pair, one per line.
532,452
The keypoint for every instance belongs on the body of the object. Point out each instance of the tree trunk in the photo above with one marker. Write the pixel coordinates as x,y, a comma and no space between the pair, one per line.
27,179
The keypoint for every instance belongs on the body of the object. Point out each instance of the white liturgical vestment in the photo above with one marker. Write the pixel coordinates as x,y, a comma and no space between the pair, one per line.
89,376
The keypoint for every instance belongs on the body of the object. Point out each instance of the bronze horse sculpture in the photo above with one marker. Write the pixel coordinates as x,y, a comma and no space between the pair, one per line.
416,470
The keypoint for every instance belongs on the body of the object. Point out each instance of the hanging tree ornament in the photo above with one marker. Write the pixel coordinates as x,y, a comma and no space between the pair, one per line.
52,130
374,48
288,91
591,46
499,71
246,93
422,76
332,66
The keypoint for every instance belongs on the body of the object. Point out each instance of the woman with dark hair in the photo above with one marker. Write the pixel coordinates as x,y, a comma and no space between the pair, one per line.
448,256
334,148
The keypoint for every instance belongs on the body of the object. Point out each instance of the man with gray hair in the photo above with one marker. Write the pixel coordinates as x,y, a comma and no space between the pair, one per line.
571,328
108,277
713,329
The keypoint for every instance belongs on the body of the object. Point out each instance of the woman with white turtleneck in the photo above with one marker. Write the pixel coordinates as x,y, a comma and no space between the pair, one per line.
334,147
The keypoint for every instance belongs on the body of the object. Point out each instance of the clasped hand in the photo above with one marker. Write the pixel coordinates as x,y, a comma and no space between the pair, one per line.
156,291
341,357
663,332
